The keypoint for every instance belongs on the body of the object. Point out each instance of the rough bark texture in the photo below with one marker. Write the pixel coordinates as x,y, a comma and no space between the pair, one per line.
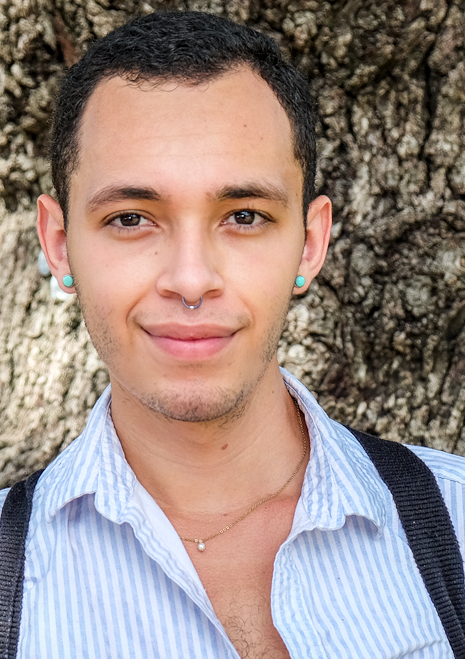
380,336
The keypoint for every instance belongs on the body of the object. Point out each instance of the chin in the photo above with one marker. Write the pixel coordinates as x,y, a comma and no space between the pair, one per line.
201,405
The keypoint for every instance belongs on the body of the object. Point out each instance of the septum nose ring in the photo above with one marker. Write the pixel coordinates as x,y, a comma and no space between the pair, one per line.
192,306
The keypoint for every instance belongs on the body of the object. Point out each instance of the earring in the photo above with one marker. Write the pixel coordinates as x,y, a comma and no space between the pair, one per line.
68,281
300,281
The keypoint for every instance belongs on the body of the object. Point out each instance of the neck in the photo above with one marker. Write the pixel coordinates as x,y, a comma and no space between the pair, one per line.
212,467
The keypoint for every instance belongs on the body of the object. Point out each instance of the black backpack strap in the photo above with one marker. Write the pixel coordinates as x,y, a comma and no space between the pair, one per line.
429,530
14,523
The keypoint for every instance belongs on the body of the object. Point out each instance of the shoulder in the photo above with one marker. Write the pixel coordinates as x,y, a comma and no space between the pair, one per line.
445,466
35,477
449,471
75,470
3,494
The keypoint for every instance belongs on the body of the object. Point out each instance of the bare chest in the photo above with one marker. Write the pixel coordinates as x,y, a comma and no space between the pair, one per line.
237,572
244,610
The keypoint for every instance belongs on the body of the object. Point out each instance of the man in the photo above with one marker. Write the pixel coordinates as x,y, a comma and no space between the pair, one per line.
210,508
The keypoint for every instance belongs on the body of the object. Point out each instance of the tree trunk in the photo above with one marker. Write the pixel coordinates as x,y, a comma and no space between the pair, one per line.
380,335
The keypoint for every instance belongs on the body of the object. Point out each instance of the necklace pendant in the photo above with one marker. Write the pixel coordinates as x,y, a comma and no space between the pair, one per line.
201,546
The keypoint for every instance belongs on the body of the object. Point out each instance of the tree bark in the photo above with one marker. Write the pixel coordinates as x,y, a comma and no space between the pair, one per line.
379,338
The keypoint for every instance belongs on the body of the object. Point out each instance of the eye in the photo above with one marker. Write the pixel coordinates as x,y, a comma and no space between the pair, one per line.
129,220
245,218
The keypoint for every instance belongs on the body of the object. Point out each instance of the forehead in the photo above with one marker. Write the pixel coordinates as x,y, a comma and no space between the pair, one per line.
227,127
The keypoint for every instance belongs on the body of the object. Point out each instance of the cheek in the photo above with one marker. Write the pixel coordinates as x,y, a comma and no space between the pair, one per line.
268,298
270,275
109,279
105,307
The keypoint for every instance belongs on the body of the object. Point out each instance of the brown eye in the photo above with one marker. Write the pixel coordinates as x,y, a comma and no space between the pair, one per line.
129,220
244,217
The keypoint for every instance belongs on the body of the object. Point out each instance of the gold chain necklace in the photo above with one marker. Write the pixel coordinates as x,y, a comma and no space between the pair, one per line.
201,543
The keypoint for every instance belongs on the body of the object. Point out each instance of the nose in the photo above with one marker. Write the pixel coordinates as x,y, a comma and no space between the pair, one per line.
191,269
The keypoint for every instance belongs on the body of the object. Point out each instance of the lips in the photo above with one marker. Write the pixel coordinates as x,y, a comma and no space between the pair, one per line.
190,342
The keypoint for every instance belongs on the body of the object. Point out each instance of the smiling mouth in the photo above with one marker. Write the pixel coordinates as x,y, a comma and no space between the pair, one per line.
190,343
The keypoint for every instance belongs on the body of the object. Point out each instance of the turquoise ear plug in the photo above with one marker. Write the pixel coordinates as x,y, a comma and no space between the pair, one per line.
68,281
299,281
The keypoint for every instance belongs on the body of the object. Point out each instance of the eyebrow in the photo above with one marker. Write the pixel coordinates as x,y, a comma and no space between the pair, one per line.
120,193
253,190
114,193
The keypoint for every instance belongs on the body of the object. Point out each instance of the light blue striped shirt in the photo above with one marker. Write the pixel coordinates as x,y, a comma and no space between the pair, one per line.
106,575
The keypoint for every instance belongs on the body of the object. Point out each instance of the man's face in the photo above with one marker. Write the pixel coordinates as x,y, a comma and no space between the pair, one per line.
186,191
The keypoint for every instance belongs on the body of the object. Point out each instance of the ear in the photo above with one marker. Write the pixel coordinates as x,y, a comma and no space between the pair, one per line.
318,232
52,236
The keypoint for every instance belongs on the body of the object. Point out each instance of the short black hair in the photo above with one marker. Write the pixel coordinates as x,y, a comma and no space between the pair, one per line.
190,47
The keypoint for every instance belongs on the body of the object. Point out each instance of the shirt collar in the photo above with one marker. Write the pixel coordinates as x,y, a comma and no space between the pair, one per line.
340,479
94,463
